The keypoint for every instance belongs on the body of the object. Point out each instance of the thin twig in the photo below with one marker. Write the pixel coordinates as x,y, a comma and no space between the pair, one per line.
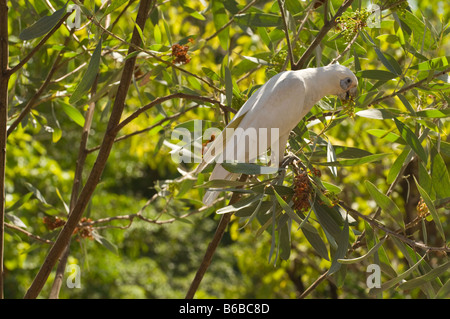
322,33
248,6
23,231
207,258
286,30
160,100
350,44
377,224
4,81
409,87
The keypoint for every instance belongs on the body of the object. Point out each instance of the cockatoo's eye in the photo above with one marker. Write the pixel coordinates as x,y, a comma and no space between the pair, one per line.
345,83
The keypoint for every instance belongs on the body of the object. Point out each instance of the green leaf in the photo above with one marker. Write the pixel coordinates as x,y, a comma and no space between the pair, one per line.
431,208
313,237
220,18
221,183
19,202
240,204
105,243
73,113
377,75
115,4
327,217
43,25
386,135
197,15
392,65
331,157
288,209
342,242
433,113
371,251
395,280
397,166
285,241
377,114
36,193
15,220
355,161
439,175
444,292
411,139
406,104
431,275
420,33
249,168
228,86
257,19
434,64
90,75
386,204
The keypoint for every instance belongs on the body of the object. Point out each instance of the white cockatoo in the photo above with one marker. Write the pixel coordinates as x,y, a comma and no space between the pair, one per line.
279,104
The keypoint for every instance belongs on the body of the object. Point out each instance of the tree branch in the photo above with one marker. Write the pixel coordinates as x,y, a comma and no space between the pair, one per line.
409,87
301,63
97,170
224,221
4,80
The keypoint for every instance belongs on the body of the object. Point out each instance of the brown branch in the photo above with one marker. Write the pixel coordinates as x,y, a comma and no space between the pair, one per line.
248,6
160,100
100,163
409,87
377,224
35,98
207,258
4,80
23,231
286,30
82,154
301,63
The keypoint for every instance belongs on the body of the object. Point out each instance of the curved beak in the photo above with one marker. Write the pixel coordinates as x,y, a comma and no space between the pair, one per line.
349,94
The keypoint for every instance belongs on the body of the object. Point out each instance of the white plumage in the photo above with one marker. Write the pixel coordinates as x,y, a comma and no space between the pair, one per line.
280,103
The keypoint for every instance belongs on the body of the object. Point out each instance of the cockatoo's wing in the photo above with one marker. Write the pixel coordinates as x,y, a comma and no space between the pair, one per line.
279,104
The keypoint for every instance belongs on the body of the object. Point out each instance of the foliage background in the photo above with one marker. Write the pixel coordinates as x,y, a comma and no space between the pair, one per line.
148,259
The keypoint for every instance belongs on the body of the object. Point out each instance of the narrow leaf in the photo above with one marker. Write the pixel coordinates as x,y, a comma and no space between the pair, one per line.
395,280
331,157
411,139
419,281
386,204
439,175
313,237
342,242
43,25
368,254
73,114
431,208
249,168
239,205
89,77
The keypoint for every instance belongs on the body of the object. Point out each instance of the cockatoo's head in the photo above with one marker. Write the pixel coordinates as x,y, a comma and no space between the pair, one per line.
346,82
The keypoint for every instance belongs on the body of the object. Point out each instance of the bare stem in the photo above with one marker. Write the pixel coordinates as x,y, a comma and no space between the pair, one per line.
4,79
224,221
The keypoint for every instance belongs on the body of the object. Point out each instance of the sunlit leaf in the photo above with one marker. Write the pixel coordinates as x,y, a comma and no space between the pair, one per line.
43,25
73,114
386,204
434,214
411,139
88,79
